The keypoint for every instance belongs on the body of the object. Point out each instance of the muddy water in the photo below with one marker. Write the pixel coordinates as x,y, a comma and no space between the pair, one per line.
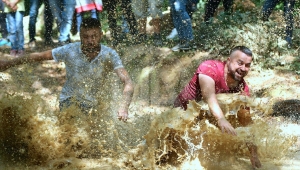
35,135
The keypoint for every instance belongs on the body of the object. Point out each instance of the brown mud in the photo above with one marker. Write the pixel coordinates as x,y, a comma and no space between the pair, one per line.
35,134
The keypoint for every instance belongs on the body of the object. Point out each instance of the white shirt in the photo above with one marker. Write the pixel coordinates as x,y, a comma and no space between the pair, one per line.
83,78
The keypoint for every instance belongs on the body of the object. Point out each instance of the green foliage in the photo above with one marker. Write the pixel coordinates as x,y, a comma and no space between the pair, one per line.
266,39
295,66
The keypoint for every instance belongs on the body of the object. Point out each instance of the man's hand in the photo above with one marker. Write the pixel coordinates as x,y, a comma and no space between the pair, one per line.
226,126
123,114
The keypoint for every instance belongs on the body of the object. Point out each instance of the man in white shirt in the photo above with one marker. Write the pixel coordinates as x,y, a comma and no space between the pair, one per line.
85,64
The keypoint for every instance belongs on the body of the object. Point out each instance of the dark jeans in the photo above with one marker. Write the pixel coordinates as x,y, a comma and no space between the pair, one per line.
48,19
3,25
212,5
181,20
63,11
191,7
268,7
16,33
111,7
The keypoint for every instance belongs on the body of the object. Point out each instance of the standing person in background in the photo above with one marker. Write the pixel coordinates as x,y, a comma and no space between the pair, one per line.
14,10
183,24
191,7
48,20
140,9
267,9
3,26
111,7
89,7
212,5
63,11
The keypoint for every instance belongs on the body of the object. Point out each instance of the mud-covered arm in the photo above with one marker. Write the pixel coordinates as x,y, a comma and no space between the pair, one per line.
127,93
30,58
207,85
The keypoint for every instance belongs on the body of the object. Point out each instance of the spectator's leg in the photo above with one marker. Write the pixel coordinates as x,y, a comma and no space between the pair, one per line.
110,6
56,10
129,16
191,8
156,14
67,16
288,15
140,8
210,8
182,21
12,30
48,18
267,9
20,33
3,25
78,20
33,12
228,4
94,14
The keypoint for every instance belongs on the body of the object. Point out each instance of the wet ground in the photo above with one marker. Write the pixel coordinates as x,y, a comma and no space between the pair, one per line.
34,134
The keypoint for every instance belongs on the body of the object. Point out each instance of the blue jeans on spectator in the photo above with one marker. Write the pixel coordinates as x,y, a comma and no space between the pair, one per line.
93,13
3,25
16,34
268,7
181,20
48,19
63,11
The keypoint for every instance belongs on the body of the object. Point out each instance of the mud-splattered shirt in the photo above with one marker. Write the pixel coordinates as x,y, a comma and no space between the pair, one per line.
83,77
215,70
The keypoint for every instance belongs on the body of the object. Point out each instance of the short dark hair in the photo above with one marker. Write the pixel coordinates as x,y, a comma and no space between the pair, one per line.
243,49
90,23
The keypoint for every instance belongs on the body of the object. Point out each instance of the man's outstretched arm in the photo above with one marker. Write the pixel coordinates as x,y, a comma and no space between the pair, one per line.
30,58
127,93
207,85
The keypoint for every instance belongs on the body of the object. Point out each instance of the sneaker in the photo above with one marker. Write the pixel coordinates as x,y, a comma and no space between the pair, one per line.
13,53
32,44
173,34
20,53
157,40
176,47
182,46
4,42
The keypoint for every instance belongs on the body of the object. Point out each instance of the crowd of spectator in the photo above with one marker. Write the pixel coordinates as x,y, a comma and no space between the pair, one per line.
133,13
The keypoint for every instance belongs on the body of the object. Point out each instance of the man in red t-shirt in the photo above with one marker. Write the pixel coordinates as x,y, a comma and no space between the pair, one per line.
213,77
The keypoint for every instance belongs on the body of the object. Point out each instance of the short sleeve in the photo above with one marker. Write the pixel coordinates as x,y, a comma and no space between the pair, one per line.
208,68
59,54
116,61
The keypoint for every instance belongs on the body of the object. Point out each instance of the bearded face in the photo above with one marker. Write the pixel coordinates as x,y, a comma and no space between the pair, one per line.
238,65
90,39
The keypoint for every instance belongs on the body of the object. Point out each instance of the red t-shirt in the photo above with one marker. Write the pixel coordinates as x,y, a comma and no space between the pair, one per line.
215,70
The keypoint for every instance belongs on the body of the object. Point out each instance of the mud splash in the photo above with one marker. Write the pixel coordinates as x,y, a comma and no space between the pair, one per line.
34,136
